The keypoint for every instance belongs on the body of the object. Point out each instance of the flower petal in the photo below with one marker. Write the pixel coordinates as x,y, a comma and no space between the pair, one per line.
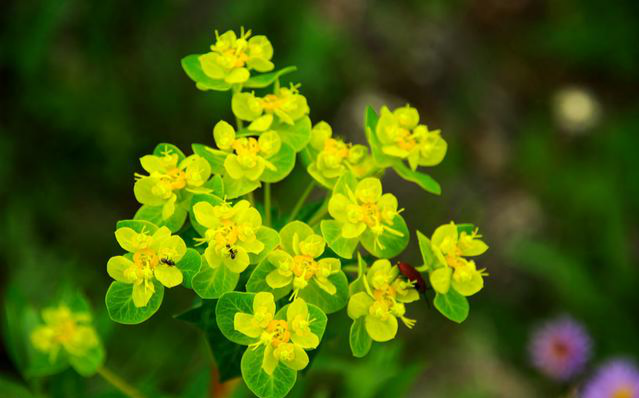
169,276
381,330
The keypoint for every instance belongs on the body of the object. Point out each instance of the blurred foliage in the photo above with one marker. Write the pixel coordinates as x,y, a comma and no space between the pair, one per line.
88,87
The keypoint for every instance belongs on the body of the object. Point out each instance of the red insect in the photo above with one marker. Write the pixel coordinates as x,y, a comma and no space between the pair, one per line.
412,275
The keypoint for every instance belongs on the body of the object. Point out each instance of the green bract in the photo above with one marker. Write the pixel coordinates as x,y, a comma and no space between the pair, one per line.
207,223
296,266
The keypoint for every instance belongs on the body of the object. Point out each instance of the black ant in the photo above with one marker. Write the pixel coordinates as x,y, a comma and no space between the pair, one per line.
167,261
232,252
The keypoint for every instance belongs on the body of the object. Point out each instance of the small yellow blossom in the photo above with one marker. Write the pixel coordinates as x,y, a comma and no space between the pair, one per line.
231,233
284,340
401,135
366,208
64,330
382,302
287,104
450,247
296,263
334,157
151,256
169,179
232,57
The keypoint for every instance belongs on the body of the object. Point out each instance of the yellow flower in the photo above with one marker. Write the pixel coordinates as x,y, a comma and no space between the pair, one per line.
401,136
287,104
296,264
450,247
364,209
249,155
64,330
382,302
169,180
284,340
151,257
231,57
231,233
334,157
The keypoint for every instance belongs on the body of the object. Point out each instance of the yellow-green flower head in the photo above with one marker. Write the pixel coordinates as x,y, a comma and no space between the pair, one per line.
232,57
64,330
401,136
296,263
287,104
382,302
248,156
231,233
334,156
284,340
168,178
450,247
366,208
150,257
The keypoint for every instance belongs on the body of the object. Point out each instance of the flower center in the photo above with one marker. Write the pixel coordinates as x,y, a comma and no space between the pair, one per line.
145,258
227,234
405,139
624,391
304,266
176,179
371,214
279,331
271,102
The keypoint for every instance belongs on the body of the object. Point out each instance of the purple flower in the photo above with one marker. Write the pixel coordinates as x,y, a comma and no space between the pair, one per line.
618,378
560,348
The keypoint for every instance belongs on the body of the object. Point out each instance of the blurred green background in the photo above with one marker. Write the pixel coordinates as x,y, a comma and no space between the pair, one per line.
536,98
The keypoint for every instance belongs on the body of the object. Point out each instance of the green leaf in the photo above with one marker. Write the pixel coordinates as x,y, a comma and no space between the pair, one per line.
217,185
257,281
297,135
215,157
266,79
259,382
237,188
153,214
453,305
391,244
138,226
284,161
317,316
332,232
465,228
270,238
370,124
429,258
423,180
164,148
193,68
88,364
227,354
189,265
227,306
13,389
315,295
119,303
211,283
359,339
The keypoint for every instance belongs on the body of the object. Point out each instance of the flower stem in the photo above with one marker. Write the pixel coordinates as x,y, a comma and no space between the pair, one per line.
119,383
267,203
319,214
301,200
350,269
251,198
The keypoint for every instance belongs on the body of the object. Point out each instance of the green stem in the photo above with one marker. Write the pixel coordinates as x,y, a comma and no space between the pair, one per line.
319,214
251,198
119,383
238,122
301,200
350,269
267,203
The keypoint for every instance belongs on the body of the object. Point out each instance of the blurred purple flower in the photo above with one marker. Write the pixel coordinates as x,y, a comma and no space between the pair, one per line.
618,378
560,348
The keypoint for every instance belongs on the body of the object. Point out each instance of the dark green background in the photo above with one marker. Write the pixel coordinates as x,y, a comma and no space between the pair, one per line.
90,86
